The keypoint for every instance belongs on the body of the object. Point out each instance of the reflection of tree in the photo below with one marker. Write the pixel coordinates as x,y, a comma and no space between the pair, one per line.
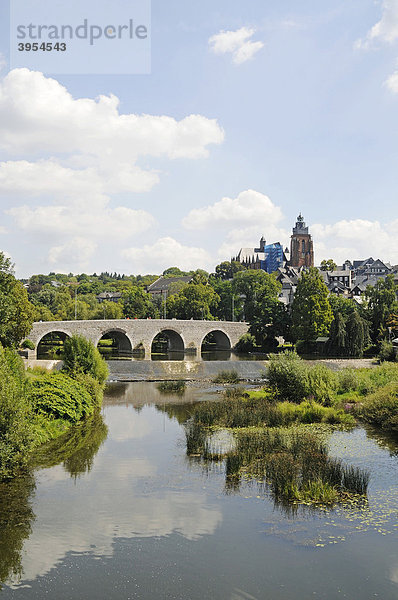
382,438
181,412
76,449
16,516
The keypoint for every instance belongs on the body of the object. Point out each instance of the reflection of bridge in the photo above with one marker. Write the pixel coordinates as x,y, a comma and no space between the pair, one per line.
138,334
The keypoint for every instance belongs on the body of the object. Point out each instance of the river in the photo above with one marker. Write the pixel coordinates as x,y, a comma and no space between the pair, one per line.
120,512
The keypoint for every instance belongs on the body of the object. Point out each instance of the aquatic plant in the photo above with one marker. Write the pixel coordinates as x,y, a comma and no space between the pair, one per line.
227,377
172,387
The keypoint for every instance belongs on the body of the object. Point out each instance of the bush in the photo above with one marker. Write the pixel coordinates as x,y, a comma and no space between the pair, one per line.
81,356
322,384
287,375
28,345
348,380
16,431
387,352
381,407
58,396
246,343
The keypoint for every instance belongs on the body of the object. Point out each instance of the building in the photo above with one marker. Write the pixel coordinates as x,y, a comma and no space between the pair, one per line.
301,245
109,297
162,287
267,257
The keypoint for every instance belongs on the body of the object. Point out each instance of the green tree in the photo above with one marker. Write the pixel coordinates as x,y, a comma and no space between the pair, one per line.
338,335
356,335
81,357
228,268
195,301
108,310
311,311
16,312
382,304
328,265
137,304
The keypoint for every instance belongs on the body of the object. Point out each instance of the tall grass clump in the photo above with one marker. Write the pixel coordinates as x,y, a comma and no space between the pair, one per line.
288,376
227,377
321,384
295,464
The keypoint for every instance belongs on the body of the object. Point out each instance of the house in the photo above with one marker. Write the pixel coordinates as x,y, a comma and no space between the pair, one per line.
164,286
109,297
267,257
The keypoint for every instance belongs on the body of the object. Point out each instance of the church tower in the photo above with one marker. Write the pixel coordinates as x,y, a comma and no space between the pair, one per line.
301,245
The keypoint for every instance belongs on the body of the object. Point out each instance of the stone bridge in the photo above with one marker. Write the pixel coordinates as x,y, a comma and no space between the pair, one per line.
138,334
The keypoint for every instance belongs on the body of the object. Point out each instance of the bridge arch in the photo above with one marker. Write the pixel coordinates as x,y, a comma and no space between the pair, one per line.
171,339
216,340
50,340
120,337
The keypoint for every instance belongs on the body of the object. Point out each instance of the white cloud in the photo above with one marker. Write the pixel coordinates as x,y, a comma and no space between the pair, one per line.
385,30
356,239
167,252
117,223
249,207
237,43
392,83
74,155
75,252
38,115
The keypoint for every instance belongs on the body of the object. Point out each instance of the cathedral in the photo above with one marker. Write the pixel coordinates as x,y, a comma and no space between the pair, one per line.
271,257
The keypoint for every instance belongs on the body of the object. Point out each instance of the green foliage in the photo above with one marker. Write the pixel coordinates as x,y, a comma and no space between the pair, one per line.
348,380
246,343
328,265
287,376
338,336
82,357
194,301
227,377
227,269
58,396
16,312
356,335
28,344
108,310
311,311
381,407
322,383
382,305
16,432
387,352
137,304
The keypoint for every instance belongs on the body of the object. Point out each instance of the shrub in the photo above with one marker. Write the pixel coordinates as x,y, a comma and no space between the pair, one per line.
81,356
58,396
172,387
381,407
348,380
287,375
387,351
322,384
16,431
28,345
246,343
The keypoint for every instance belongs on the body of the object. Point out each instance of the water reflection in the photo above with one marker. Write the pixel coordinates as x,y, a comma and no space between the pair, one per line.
132,516
16,518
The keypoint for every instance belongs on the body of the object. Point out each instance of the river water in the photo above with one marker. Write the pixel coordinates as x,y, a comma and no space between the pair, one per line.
118,511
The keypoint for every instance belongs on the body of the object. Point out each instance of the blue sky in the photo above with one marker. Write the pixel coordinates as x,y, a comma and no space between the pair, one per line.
308,122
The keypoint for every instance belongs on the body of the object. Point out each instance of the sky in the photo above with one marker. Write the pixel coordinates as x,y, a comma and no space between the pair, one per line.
253,112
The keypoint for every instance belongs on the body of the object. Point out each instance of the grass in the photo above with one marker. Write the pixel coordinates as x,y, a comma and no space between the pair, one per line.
227,377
